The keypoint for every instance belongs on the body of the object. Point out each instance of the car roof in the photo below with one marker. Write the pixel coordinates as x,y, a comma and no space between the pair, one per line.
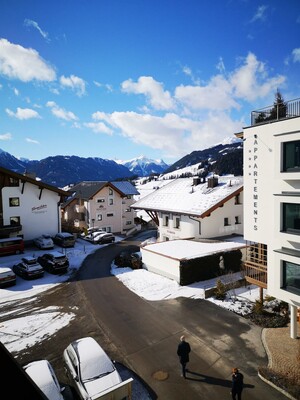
29,258
41,373
64,234
56,254
93,359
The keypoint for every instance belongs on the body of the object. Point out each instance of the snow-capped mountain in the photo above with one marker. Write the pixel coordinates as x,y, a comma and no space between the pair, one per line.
143,166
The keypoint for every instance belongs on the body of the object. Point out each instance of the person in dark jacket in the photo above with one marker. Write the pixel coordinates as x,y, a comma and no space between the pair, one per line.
183,351
237,384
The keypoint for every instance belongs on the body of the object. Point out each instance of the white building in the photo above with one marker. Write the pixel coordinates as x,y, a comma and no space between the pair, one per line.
28,207
189,208
272,204
101,204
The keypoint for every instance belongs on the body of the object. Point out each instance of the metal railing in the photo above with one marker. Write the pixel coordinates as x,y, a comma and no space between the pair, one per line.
276,112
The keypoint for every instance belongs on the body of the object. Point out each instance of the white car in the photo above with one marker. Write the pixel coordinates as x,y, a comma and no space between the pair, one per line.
42,373
89,368
7,277
44,242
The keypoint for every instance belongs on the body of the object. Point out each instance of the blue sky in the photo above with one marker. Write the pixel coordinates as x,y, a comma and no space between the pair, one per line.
120,78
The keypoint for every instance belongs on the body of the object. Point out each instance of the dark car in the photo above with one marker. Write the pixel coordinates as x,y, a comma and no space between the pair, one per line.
64,239
103,238
28,268
55,262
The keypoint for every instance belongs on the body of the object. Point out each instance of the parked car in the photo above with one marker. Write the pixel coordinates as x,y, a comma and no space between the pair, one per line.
129,259
55,262
105,237
7,277
44,242
89,368
28,268
64,239
43,375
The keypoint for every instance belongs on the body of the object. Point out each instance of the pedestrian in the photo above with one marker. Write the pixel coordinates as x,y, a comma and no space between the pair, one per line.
237,384
183,351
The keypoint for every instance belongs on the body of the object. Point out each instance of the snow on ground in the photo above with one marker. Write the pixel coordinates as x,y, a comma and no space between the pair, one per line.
18,333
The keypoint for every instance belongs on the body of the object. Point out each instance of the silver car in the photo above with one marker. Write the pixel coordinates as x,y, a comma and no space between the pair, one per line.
44,242
89,368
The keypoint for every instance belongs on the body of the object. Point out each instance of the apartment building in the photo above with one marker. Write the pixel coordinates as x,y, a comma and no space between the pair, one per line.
101,204
272,203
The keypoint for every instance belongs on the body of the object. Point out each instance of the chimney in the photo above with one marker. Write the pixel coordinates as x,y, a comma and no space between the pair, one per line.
212,181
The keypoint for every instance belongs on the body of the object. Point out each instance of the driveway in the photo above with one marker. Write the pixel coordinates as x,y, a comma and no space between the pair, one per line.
146,335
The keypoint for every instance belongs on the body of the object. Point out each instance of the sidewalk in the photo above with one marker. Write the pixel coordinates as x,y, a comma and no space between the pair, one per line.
283,353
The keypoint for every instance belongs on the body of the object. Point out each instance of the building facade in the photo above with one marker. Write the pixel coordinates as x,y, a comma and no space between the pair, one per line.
191,208
104,205
28,207
272,205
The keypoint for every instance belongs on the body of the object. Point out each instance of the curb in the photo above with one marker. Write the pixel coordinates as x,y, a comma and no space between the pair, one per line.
276,387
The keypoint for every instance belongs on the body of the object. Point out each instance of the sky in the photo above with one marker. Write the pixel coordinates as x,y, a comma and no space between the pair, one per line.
118,79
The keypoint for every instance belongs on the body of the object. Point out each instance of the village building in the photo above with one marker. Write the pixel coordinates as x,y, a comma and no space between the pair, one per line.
28,207
195,208
272,203
101,204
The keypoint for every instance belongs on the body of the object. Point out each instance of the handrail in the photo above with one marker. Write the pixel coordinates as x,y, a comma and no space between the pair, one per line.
276,112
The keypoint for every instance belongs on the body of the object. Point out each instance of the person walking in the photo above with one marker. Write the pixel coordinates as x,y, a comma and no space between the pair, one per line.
237,384
183,351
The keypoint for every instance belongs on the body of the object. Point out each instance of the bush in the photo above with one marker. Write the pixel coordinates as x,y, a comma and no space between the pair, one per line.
220,291
266,319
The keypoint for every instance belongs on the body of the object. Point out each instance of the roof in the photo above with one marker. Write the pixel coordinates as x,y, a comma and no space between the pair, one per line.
40,184
125,187
188,249
183,197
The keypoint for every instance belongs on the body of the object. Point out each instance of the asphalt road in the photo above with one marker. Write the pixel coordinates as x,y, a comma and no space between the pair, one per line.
146,335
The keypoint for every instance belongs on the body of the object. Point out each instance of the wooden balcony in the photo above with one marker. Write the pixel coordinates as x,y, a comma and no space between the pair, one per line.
255,265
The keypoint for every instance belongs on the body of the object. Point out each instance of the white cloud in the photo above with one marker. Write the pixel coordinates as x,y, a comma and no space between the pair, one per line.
107,86
17,62
6,136
29,22
74,83
32,141
16,92
251,81
23,113
296,55
61,112
153,90
260,13
99,127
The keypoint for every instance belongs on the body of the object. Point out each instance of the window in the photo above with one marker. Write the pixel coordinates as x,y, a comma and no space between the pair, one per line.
110,191
291,218
128,222
100,200
14,201
13,181
291,277
15,221
110,202
165,220
99,217
237,199
177,222
226,222
110,214
237,220
129,196
291,156
128,209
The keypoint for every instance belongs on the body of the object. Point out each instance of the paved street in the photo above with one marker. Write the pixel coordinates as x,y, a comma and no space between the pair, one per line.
147,333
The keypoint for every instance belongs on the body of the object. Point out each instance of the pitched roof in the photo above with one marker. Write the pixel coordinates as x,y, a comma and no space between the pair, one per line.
40,184
183,197
125,187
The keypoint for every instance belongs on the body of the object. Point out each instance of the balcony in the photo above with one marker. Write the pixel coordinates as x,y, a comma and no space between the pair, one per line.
255,265
285,110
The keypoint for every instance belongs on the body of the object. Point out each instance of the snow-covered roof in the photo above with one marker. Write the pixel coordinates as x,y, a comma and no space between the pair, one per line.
188,249
182,196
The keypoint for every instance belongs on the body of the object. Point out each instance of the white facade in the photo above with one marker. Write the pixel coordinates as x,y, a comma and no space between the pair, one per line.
225,220
38,210
271,200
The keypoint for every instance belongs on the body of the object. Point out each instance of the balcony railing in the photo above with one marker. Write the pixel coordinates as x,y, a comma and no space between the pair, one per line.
285,110
255,265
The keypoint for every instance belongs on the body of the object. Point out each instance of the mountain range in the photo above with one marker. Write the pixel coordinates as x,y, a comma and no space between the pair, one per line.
61,171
